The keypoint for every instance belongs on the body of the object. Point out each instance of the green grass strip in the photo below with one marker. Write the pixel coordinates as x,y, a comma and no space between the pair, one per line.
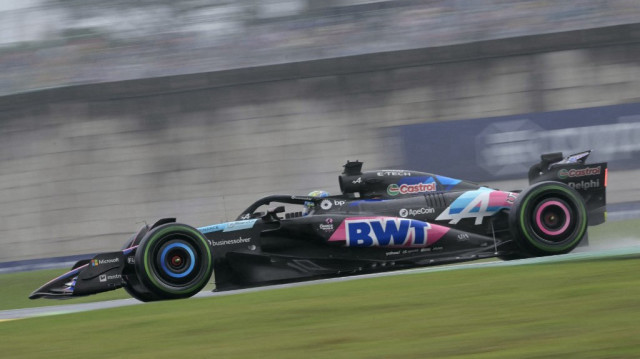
584,309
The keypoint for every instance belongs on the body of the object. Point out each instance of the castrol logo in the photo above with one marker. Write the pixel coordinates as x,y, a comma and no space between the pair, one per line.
394,189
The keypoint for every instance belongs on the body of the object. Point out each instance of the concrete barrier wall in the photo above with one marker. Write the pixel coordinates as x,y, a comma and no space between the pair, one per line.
82,167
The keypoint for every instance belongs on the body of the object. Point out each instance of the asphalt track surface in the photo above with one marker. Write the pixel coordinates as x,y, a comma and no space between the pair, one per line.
83,307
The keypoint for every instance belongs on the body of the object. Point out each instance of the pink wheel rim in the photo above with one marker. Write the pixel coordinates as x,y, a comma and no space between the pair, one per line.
546,231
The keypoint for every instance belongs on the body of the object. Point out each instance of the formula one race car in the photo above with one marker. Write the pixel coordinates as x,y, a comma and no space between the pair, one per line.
383,220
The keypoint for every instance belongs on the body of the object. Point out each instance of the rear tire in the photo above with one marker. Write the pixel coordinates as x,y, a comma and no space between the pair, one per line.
173,261
548,218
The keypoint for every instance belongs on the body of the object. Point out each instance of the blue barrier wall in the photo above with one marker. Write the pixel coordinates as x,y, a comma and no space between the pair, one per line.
504,147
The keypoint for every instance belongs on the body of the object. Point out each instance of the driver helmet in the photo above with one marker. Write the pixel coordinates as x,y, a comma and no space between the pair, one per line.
308,205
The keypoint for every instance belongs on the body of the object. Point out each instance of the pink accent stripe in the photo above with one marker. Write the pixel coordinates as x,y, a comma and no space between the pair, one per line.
566,214
436,232
501,199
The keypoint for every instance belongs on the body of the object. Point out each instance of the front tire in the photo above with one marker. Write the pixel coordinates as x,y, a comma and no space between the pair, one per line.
133,285
173,261
548,218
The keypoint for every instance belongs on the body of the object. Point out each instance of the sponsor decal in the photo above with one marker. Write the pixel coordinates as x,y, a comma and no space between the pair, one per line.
400,173
463,237
394,189
326,204
359,180
328,225
106,278
131,260
477,204
246,216
579,172
414,212
97,262
229,226
226,242
304,198
584,185
390,232
386,232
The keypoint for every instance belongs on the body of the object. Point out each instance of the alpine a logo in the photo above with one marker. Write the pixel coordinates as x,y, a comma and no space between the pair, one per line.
386,232
394,189
580,172
477,204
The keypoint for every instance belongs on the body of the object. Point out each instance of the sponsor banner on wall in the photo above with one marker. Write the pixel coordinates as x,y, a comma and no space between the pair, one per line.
505,147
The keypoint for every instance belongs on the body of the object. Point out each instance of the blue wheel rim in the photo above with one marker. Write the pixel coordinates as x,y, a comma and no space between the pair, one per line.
167,270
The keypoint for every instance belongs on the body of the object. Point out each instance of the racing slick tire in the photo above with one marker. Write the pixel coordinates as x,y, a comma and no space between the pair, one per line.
133,286
173,261
548,218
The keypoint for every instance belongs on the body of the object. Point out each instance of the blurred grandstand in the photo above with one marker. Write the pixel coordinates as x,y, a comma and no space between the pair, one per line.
85,161
53,43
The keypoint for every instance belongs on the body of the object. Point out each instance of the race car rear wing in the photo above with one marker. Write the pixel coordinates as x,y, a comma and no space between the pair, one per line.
590,180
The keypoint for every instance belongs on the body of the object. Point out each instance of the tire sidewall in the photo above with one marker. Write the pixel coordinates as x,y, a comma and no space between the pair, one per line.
148,272
133,285
521,216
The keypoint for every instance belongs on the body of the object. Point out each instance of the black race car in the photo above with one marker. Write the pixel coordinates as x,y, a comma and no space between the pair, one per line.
383,220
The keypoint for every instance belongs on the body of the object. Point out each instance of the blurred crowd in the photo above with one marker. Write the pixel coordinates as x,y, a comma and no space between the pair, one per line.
52,43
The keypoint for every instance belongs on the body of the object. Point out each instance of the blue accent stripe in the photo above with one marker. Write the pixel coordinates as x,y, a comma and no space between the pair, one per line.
463,201
164,265
448,182
228,226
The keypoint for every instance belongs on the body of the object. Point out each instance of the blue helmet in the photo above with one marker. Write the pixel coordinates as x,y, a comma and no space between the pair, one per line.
309,206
